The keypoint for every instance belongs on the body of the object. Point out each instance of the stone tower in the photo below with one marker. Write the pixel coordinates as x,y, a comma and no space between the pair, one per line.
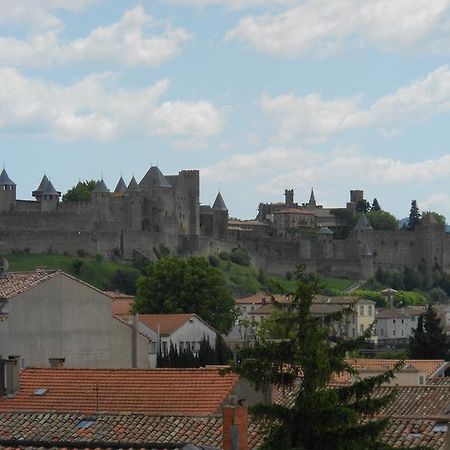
101,202
289,198
7,192
220,212
325,243
49,198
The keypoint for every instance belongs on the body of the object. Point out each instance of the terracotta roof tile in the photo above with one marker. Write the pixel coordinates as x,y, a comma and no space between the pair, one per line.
156,391
122,307
167,323
17,282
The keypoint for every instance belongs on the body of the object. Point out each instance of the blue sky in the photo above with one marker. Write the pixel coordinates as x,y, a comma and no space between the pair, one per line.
260,95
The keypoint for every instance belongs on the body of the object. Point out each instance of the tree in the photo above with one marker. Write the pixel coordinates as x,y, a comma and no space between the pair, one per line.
414,216
382,220
375,205
429,340
321,418
362,206
440,219
80,192
186,285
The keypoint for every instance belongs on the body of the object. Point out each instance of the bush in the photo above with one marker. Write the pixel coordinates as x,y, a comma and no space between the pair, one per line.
98,258
77,266
375,296
224,256
410,298
240,256
214,260
125,281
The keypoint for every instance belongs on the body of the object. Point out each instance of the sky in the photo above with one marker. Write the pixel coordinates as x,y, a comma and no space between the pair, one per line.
259,95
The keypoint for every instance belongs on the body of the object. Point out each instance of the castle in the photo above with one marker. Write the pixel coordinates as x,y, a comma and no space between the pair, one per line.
164,210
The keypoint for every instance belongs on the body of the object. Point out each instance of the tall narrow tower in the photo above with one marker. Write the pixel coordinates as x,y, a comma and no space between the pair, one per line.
7,192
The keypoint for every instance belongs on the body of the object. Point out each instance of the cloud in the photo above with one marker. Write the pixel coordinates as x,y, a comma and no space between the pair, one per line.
322,27
136,39
237,4
315,118
282,166
38,13
96,108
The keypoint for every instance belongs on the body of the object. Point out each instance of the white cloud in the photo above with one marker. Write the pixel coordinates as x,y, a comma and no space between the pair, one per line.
96,108
38,13
315,118
136,39
282,166
323,27
237,4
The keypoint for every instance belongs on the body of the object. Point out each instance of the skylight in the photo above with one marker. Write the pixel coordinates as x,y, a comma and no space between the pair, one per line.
440,427
85,423
39,392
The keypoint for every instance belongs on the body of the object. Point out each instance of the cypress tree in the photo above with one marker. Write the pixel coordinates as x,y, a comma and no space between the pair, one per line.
414,216
429,340
321,418
375,205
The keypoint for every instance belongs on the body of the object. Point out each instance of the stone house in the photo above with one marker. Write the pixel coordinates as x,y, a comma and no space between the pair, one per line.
394,326
51,315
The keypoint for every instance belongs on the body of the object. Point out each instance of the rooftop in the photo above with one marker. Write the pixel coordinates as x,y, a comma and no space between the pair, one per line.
166,323
152,391
17,282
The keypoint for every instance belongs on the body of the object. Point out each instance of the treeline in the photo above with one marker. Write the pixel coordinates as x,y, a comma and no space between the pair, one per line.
187,358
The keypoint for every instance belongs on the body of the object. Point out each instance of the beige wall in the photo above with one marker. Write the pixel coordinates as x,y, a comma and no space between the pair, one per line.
64,318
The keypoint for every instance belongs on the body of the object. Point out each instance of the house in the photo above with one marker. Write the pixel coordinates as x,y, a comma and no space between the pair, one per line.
394,326
48,315
184,331
257,307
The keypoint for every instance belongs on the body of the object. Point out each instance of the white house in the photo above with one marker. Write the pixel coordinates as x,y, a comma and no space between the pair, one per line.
184,331
394,326
51,315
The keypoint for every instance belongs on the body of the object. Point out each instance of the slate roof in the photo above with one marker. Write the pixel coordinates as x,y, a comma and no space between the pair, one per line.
154,178
133,186
151,391
363,223
42,185
5,180
17,282
219,204
50,189
101,187
130,429
121,187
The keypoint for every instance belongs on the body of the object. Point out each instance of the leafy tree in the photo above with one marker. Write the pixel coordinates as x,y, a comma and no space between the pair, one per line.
414,216
429,340
186,285
240,256
346,221
80,192
382,220
437,295
125,281
321,418
375,205
440,219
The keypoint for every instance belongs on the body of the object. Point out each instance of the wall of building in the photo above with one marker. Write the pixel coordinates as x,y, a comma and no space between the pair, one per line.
64,318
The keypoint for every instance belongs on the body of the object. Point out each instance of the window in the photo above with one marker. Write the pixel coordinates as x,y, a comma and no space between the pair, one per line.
393,320
421,380
403,321
361,329
181,345
353,332
164,347
393,332
361,310
370,310
403,333
153,347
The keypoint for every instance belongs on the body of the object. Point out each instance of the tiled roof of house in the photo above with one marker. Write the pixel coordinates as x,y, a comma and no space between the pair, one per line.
122,307
260,298
152,391
167,323
438,381
130,429
407,433
17,282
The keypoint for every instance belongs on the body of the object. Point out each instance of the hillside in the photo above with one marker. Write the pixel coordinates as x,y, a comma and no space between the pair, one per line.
102,273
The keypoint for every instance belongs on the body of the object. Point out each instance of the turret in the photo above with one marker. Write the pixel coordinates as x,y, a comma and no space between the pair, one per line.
325,242
37,194
289,198
312,199
121,188
220,212
49,198
7,192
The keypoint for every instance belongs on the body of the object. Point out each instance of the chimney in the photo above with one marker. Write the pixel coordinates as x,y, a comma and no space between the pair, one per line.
56,363
11,375
235,426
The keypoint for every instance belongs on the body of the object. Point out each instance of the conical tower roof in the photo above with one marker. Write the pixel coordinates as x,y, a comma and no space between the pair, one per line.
101,187
42,185
133,186
219,204
154,178
5,180
50,189
312,198
363,223
121,187
325,230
